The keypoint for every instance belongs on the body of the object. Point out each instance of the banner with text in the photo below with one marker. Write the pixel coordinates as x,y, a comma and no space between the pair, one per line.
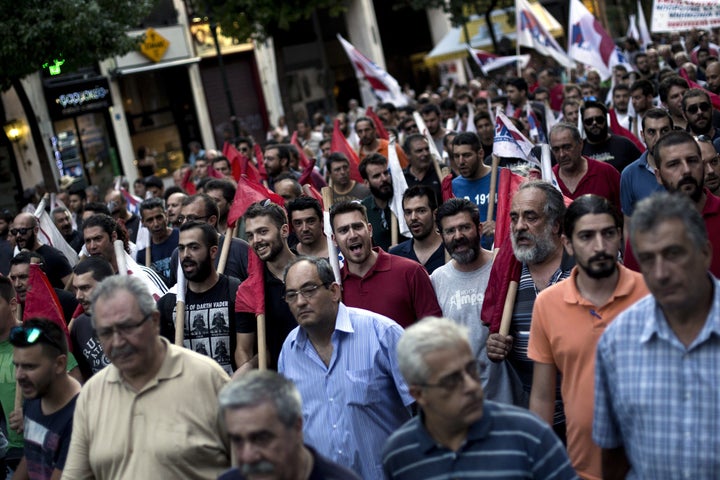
683,15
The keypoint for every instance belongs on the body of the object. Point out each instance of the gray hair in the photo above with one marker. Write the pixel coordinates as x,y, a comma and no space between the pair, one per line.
132,284
554,208
569,127
325,271
257,387
426,336
663,206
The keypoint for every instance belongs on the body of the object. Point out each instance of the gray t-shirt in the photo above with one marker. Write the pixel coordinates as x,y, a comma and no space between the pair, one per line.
461,295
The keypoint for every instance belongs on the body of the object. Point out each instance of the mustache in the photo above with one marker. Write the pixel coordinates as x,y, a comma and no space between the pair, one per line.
121,352
688,181
256,468
601,257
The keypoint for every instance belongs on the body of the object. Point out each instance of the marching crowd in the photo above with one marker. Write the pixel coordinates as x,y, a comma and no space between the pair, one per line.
550,314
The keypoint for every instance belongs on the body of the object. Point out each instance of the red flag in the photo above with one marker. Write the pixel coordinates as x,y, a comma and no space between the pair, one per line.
250,295
303,159
251,171
714,98
235,159
509,183
312,192
214,173
618,129
246,194
379,127
307,172
260,161
340,144
42,301
187,183
446,188
505,269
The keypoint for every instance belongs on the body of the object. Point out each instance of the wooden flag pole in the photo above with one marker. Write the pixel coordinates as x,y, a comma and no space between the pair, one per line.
229,234
393,229
262,348
327,196
180,306
148,254
508,308
493,187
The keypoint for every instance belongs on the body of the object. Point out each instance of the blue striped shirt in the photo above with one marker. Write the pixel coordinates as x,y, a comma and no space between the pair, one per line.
507,442
657,398
352,405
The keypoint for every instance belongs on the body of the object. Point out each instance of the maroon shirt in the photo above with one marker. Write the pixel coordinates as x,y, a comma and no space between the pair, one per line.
601,179
395,287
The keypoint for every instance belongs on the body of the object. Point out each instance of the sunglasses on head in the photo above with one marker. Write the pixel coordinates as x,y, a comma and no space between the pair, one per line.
600,120
21,231
702,106
21,336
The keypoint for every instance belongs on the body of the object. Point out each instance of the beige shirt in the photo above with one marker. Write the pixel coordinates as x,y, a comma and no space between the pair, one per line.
169,429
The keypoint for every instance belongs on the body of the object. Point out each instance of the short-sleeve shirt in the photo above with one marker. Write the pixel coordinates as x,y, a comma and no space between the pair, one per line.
160,255
637,181
600,179
47,437
616,150
56,265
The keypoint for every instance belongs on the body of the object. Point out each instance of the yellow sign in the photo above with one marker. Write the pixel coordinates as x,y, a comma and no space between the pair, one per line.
154,46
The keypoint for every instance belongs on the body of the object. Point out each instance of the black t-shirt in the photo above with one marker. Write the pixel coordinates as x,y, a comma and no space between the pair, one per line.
56,266
68,302
210,321
47,437
616,150
279,320
86,347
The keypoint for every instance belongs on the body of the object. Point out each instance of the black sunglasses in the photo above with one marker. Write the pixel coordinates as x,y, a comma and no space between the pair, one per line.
21,231
702,106
600,120
27,336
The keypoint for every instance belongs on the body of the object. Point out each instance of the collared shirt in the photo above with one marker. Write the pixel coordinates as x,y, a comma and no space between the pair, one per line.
506,443
380,219
395,287
657,398
406,249
171,428
637,181
601,179
353,404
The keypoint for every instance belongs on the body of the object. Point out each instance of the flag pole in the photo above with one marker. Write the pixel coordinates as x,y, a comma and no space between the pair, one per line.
327,228
229,234
508,308
262,349
493,187
393,229
148,255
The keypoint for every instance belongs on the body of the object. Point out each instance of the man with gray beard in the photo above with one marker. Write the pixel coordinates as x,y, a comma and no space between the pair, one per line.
460,287
536,217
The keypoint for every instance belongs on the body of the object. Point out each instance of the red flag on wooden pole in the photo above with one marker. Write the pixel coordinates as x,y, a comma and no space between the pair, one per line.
42,301
379,127
340,144
246,194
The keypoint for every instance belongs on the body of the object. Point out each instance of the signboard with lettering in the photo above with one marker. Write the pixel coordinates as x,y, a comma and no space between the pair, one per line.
76,98
683,15
154,45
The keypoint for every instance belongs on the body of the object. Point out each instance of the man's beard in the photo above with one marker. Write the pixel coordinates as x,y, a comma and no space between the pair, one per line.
468,256
202,272
704,131
541,251
696,194
601,272
276,246
378,192
596,138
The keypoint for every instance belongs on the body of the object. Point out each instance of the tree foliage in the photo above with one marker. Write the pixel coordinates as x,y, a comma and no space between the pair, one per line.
81,32
244,19
460,10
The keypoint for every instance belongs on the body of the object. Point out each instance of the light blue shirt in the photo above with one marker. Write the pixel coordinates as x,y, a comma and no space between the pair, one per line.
637,181
351,406
657,398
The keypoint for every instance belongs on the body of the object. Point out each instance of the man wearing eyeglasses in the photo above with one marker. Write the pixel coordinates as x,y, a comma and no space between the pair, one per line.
343,362
569,317
153,412
601,145
458,433
40,357
699,113
25,228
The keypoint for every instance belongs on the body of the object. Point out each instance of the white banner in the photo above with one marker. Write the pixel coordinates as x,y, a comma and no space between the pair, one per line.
683,15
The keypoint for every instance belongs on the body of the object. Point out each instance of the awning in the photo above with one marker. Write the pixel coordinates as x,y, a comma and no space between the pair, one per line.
453,45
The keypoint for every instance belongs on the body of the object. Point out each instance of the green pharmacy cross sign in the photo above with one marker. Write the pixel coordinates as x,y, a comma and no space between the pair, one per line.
55,67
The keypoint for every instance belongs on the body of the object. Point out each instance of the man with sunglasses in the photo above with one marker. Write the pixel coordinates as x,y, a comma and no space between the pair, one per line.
601,145
153,412
40,357
25,228
699,113
343,362
458,433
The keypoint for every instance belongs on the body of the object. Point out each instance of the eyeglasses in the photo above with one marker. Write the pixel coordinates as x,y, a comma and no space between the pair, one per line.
307,292
124,329
600,120
190,218
21,231
702,106
26,336
454,380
